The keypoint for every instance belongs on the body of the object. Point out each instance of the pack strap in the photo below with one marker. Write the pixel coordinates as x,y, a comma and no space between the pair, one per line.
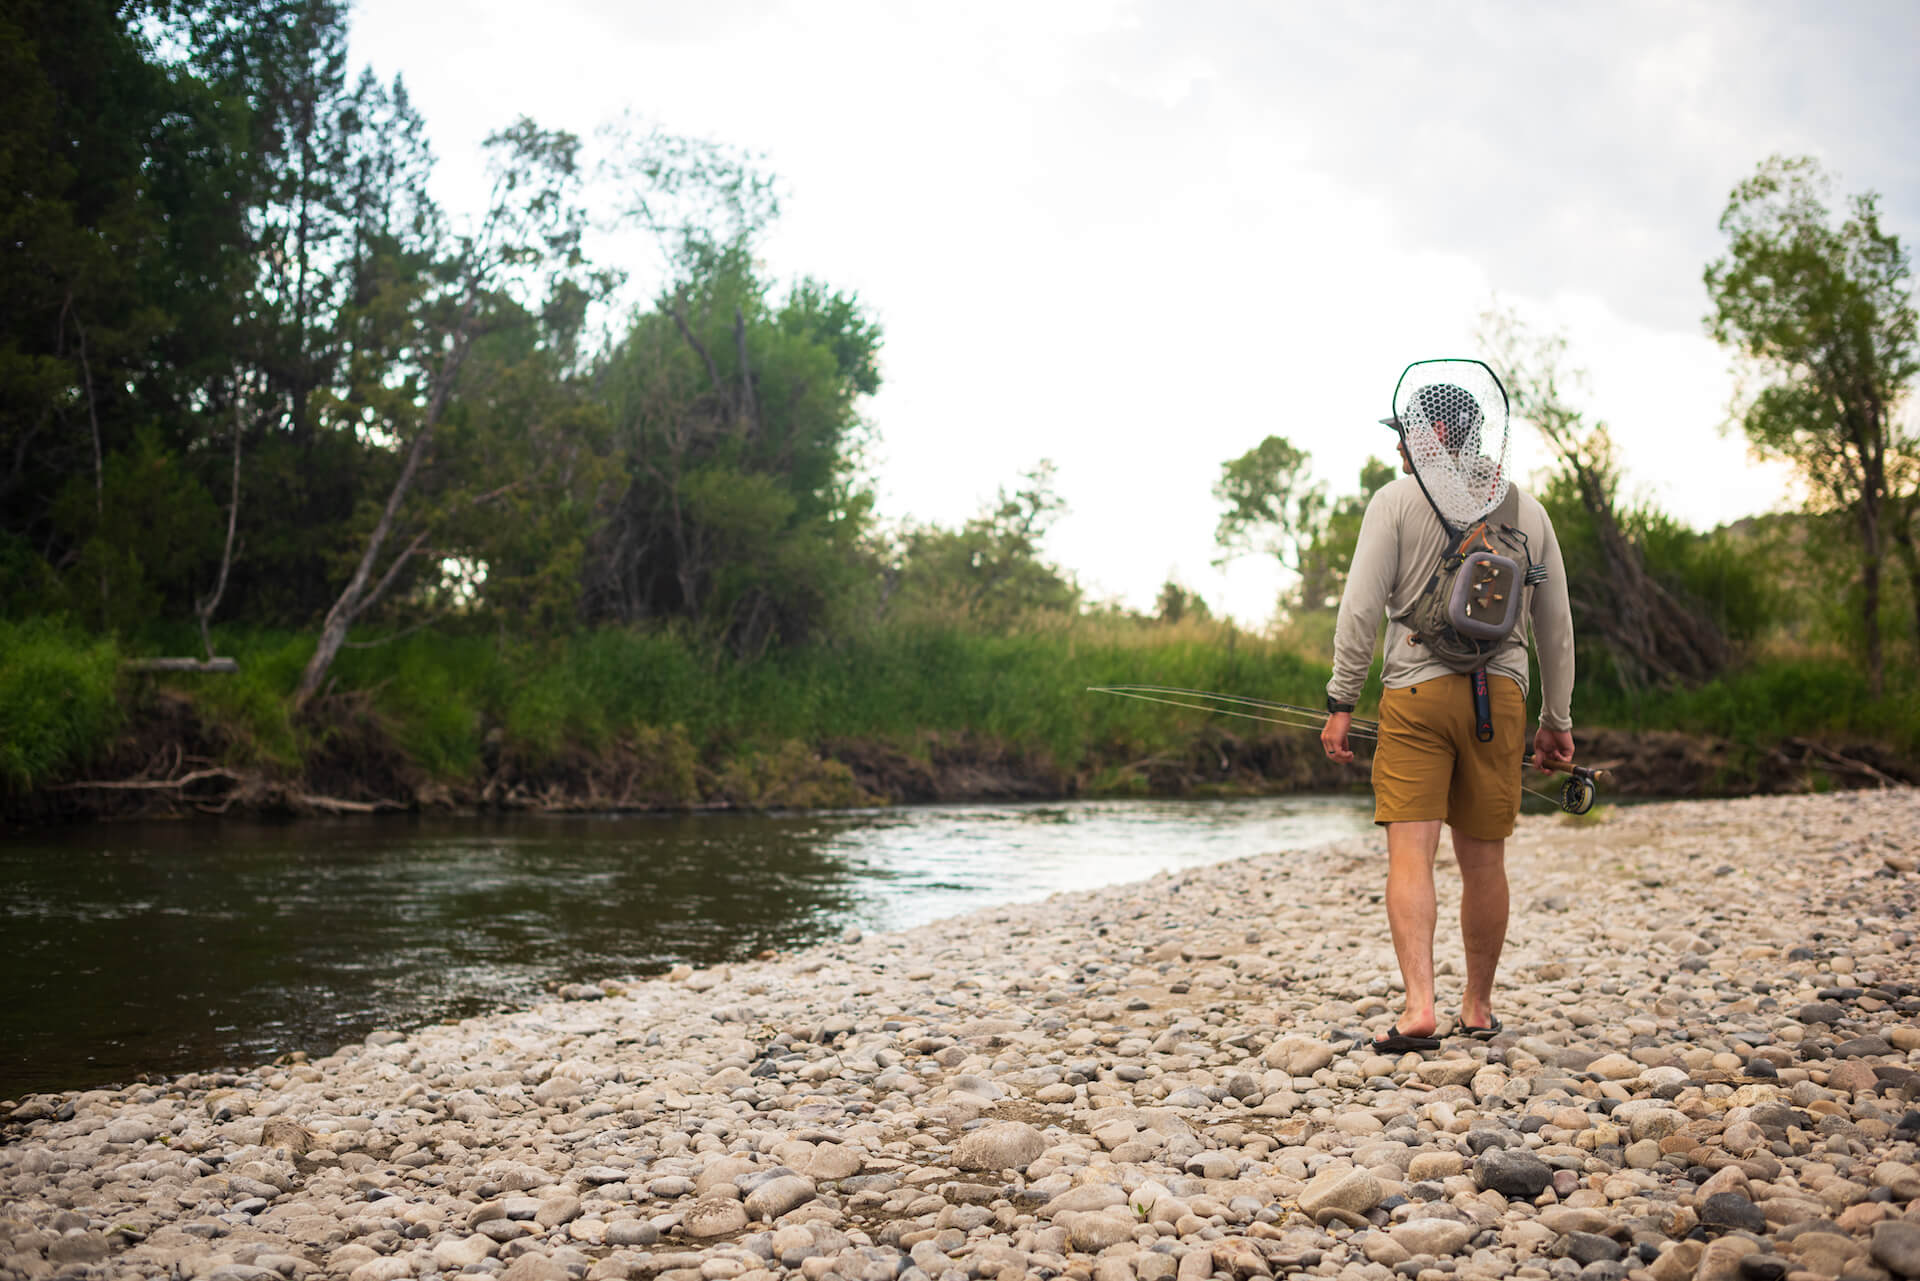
1482,707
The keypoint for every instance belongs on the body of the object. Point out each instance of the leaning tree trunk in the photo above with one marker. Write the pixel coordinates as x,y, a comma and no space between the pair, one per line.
204,606
1873,487
1910,557
1655,637
361,591
1870,594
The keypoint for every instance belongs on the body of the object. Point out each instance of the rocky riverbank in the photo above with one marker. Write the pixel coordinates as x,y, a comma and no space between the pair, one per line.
1709,1066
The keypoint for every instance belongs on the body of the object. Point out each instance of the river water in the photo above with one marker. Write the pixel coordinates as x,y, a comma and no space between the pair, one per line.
170,947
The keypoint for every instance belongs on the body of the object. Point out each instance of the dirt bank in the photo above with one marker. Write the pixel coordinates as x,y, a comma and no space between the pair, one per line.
169,762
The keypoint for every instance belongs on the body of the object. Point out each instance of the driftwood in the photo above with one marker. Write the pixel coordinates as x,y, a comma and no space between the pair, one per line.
1843,764
246,790
181,664
334,805
146,784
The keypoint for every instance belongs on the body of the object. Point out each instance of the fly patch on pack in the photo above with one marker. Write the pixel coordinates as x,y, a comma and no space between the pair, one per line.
1471,604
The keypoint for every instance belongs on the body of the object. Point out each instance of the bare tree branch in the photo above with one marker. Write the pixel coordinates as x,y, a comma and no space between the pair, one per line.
750,409
203,607
706,357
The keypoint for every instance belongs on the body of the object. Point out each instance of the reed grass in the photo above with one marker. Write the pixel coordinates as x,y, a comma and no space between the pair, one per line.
59,701
439,698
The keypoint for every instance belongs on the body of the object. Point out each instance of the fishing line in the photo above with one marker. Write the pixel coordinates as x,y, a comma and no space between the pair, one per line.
1304,717
1576,795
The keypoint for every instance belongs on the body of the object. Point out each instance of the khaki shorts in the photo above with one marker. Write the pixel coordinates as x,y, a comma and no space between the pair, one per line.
1429,765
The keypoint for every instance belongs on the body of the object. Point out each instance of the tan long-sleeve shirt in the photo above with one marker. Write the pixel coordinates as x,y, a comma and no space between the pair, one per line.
1401,541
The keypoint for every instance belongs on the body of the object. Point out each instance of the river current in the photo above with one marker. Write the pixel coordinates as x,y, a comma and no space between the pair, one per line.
167,947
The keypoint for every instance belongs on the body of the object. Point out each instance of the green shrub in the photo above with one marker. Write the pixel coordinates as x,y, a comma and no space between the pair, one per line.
430,691
247,709
59,701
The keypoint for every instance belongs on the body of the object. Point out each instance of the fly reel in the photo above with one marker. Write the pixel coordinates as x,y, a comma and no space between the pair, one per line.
1576,794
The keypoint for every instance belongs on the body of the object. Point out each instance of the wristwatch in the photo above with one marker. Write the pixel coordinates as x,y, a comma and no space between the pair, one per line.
1338,707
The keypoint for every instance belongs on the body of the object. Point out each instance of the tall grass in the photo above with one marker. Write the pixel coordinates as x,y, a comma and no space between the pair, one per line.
59,700
1027,688
1770,699
439,698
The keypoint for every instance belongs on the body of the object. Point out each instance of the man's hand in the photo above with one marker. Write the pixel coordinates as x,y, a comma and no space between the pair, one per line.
1552,749
1334,737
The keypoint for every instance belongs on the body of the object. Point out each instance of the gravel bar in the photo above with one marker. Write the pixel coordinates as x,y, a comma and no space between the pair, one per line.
1710,1067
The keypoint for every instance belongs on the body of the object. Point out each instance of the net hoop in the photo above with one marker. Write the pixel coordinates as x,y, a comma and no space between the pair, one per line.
1454,419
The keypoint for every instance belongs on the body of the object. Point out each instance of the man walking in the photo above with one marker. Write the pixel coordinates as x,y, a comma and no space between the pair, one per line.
1453,710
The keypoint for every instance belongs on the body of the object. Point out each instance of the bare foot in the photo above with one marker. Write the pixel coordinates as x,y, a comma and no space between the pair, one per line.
1411,1024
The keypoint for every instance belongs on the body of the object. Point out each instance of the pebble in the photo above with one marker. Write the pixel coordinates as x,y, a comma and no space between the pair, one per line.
1702,1076
1895,1246
1010,1145
1439,1237
1731,1210
714,1217
1350,1190
1512,1173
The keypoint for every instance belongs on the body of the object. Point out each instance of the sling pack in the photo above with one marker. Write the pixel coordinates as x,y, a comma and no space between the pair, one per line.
1471,603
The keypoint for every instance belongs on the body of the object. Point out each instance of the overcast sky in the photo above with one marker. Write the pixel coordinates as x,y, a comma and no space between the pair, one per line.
1135,238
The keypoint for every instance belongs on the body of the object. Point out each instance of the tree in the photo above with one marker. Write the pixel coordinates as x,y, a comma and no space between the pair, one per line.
1822,321
990,569
1177,602
1652,632
1272,508
108,161
736,416
521,467
1272,505
427,297
1329,553
696,198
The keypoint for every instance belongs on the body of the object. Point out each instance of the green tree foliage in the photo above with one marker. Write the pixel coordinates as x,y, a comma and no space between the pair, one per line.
1726,575
695,197
429,299
736,418
104,185
1821,316
989,571
148,528
1272,508
325,180
1272,505
1176,604
1328,556
522,465
240,322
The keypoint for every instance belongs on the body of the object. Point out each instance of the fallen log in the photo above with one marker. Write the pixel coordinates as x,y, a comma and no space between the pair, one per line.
335,805
181,665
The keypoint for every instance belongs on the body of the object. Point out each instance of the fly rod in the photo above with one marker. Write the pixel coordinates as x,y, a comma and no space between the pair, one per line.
1576,793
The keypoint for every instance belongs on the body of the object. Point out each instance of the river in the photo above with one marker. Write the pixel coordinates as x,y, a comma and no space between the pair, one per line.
167,947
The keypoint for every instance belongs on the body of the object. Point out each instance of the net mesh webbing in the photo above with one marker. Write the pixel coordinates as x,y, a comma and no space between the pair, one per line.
1452,415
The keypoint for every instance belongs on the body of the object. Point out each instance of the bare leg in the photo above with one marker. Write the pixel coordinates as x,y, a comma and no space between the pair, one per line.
1483,920
1410,914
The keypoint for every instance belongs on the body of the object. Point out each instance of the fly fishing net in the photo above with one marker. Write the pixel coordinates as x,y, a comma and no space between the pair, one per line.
1452,417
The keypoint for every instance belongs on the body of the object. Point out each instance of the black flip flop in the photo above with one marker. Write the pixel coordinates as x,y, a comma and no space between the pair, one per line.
1481,1033
1400,1043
